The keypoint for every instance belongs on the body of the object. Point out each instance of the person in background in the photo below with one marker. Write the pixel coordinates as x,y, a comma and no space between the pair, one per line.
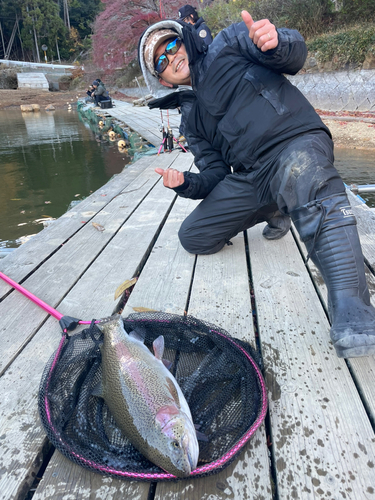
100,93
189,15
260,147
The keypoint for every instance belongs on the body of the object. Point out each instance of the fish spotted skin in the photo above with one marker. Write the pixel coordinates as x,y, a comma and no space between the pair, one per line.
146,401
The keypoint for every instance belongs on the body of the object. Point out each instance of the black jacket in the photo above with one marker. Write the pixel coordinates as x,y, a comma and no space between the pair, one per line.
242,107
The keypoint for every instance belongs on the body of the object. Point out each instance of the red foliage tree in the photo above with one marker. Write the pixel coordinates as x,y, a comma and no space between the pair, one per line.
117,29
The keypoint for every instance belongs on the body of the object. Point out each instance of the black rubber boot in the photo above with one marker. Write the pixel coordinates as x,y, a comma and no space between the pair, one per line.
328,229
277,227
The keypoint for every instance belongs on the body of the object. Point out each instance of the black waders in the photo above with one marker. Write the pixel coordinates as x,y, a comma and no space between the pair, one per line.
327,226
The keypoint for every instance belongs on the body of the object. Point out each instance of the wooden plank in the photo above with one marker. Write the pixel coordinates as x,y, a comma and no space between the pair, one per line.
29,256
149,131
23,438
323,444
165,280
221,295
363,369
146,122
366,227
87,485
111,265
56,276
92,296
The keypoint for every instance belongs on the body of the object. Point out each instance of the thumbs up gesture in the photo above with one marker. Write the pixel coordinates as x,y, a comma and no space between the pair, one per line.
263,33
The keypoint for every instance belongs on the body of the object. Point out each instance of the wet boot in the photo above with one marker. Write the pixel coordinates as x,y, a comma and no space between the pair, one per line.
277,227
328,228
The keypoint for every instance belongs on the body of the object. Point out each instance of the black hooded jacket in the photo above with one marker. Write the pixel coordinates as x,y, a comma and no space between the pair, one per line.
242,109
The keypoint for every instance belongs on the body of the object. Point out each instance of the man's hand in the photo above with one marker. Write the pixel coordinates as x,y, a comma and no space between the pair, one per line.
262,33
172,178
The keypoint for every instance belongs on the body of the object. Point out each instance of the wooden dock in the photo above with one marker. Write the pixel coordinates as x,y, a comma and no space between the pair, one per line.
318,439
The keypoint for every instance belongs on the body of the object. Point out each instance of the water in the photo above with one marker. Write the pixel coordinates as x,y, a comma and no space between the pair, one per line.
357,166
48,161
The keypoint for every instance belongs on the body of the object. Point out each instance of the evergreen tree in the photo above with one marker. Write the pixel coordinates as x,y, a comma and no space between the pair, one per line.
82,15
41,24
9,13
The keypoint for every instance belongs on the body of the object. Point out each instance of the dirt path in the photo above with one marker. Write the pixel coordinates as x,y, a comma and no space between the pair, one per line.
352,130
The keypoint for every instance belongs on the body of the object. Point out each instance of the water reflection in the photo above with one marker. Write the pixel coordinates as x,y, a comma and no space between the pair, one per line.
40,127
47,160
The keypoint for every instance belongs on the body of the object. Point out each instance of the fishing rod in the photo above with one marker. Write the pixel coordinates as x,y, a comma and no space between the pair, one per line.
169,134
164,134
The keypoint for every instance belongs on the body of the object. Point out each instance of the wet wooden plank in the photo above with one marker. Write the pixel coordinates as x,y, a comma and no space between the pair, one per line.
366,227
118,262
146,128
322,440
146,122
165,280
221,295
86,485
363,369
55,277
93,296
23,437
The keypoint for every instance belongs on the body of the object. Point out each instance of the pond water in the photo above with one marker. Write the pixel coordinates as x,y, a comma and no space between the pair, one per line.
357,166
51,161
48,162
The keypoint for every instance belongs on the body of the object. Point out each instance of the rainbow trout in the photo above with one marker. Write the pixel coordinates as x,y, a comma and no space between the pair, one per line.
146,401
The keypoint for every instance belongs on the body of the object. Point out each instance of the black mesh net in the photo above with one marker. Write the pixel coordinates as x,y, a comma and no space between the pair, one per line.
217,374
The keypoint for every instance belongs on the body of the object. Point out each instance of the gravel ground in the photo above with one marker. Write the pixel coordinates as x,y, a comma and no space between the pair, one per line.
358,134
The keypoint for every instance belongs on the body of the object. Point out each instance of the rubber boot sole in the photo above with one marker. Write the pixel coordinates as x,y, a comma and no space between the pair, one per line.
356,345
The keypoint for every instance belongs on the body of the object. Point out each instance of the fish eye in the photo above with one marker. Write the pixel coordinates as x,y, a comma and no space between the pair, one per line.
176,444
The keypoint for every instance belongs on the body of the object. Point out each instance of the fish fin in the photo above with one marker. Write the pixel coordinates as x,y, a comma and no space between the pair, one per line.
168,364
137,336
165,414
98,390
201,436
158,346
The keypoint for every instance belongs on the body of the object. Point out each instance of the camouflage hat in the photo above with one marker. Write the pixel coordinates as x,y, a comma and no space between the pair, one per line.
152,43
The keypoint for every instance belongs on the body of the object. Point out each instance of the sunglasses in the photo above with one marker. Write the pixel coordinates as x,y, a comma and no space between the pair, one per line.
171,49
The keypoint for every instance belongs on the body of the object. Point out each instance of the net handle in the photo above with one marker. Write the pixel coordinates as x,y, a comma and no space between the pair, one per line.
36,300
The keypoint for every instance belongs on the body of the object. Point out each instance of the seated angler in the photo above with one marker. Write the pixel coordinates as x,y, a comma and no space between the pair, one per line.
99,93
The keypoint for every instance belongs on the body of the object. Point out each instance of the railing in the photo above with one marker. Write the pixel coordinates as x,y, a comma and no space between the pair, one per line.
364,188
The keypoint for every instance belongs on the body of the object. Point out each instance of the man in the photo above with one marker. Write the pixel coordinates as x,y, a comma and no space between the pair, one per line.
259,146
99,93
189,15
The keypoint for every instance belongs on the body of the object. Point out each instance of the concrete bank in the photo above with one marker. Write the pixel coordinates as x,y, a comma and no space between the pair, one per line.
333,91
